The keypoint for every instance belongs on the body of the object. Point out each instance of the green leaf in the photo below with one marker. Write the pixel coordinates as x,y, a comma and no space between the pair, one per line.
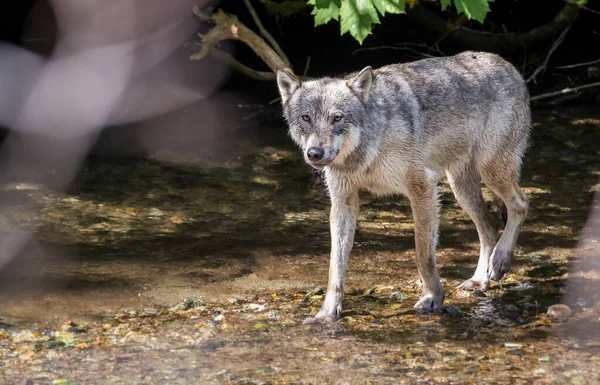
260,326
358,17
325,10
579,3
389,6
63,381
66,338
445,4
474,9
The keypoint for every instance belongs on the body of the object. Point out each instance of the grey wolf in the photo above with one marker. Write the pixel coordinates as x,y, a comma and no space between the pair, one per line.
398,130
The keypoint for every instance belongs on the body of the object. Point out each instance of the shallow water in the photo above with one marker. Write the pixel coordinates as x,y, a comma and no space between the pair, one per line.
199,269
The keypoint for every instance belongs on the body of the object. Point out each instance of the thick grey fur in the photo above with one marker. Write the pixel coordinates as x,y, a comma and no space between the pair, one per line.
399,130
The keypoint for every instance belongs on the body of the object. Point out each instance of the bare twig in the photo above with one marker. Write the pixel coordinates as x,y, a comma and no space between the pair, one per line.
496,42
306,66
266,33
202,15
586,8
242,68
406,47
564,91
524,61
433,47
392,48
578,65
253,114
553,48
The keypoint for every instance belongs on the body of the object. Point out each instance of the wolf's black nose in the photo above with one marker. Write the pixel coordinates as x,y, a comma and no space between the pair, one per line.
315,153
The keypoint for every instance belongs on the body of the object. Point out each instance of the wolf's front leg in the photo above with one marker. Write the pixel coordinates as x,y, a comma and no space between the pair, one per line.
424,205
344,209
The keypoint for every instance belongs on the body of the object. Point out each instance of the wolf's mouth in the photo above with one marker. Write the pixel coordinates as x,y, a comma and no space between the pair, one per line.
320,164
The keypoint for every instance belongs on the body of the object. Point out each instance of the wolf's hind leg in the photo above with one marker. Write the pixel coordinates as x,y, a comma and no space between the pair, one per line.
466,185
504,182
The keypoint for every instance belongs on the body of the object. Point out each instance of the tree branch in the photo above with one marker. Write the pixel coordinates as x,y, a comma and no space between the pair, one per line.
553,48
563,91
228,27
266,33
423,54
241,68
578,65
486,41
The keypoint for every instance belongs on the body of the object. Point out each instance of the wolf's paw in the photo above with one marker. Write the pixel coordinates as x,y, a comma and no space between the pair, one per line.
325,316
477,282
431,302
319,320
499,264
474,284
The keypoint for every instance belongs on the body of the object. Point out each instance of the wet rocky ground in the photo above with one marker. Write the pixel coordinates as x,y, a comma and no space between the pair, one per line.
199,269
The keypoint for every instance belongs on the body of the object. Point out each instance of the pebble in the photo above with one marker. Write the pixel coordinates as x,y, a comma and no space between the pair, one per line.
24,336
539,371
255,306
453,311
148,312
516,352
154,212
559,312
351,291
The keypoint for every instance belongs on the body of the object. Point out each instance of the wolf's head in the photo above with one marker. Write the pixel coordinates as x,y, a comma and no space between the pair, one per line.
324,115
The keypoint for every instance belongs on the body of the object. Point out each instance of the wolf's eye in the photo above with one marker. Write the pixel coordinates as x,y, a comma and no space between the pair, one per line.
337,118
306,118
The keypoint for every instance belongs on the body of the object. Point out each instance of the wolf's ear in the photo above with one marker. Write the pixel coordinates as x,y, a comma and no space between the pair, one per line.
361,83
288,84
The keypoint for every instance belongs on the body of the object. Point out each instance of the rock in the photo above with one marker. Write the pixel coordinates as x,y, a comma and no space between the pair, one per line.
351,291
479,294
24,336
148,312
463,293
255,306
516,352
539,371
65,338
185,304
513,345
154,212
317,291
452,311
559,312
